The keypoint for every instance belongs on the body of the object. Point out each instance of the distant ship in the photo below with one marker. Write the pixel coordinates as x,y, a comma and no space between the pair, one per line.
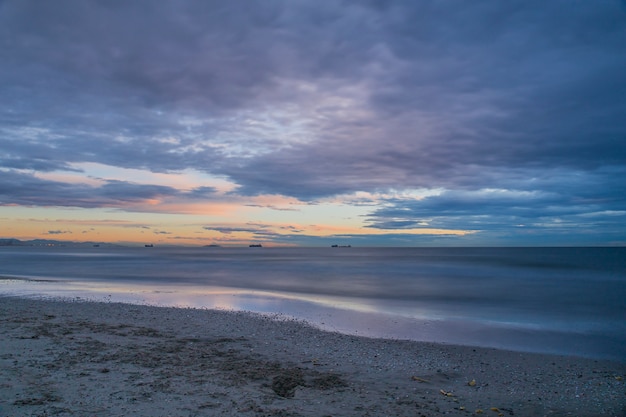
340,246
256,245
149,246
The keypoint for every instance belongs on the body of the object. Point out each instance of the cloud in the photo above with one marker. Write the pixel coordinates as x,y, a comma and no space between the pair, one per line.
257,229
57,232
514,214
317,101
28,190
203,192
386,91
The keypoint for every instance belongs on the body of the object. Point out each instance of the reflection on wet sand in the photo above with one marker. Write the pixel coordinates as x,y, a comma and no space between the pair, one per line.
341,314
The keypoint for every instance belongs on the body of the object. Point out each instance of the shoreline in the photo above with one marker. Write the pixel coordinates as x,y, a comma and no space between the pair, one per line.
109,359
337,315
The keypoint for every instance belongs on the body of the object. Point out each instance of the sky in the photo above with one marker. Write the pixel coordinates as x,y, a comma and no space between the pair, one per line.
314,122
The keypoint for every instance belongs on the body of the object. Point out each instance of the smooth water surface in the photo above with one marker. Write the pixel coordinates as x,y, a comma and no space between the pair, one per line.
564,300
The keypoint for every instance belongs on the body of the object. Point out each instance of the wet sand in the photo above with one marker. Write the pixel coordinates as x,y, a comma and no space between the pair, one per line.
105,359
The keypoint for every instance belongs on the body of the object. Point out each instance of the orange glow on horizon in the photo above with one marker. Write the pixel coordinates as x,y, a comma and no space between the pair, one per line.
236,221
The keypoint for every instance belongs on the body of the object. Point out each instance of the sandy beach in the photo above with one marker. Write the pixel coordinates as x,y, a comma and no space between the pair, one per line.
78,358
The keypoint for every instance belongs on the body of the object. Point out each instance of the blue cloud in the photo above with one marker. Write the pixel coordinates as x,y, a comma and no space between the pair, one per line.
312,101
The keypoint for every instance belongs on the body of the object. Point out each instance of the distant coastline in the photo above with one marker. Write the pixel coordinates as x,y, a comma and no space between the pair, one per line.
85,244
53,243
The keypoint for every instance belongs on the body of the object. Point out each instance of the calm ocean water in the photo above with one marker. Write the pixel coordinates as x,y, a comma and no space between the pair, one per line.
562,300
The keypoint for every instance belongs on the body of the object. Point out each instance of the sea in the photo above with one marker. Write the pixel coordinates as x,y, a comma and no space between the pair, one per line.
569,301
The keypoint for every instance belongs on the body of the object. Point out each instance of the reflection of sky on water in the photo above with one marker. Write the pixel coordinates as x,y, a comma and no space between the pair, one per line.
371,318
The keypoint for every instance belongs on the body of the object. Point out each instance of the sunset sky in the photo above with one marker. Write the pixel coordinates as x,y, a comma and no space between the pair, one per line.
311,123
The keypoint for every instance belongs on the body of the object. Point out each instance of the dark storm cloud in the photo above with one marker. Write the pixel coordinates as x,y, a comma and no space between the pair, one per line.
316,99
